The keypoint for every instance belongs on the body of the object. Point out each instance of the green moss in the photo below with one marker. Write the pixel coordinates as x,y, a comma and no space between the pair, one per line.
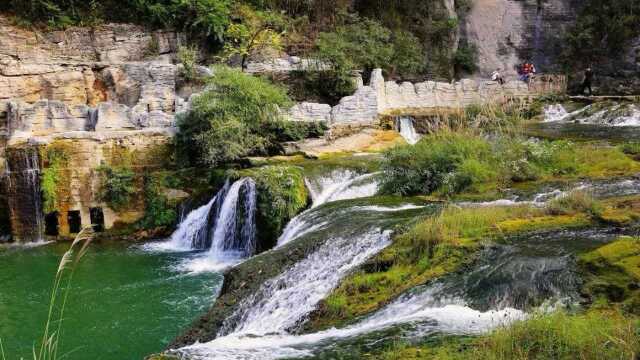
55,178
612,273
282,194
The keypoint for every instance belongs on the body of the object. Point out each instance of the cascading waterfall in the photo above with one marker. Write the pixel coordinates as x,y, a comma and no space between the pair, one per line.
235,227
280,303
537,271
618,115
25,197
225,226
407,130
342,185
337,185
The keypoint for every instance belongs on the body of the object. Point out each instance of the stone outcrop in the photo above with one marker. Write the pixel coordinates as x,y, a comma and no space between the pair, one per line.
508,32
93,90
380,98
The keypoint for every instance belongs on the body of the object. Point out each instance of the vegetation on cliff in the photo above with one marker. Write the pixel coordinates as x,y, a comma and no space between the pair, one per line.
282,194
239,115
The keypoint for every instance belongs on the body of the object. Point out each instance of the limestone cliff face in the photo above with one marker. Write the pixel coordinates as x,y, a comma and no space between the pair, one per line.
508,32
96,90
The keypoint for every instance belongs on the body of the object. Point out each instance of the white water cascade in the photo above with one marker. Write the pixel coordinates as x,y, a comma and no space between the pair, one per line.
616,115
407,130
435,313
338,185
225,226
282,301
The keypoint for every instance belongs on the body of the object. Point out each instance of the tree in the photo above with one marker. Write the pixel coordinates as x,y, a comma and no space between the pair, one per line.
232,119
256,31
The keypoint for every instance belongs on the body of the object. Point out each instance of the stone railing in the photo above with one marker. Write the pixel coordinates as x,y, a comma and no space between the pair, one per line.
380,98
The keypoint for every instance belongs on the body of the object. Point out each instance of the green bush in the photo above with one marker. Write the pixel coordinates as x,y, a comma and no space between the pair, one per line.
447,161
158,211
631,148
603,30
188,57
117,186
234,118
54,179
282,194
364,44
573,203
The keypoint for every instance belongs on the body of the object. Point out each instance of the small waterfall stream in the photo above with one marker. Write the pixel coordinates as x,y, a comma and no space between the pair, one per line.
407,130
335,186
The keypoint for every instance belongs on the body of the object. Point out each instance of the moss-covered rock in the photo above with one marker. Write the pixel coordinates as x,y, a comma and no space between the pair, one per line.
282,194
612,274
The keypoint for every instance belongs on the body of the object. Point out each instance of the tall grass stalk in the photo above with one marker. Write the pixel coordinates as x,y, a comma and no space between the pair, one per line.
50,342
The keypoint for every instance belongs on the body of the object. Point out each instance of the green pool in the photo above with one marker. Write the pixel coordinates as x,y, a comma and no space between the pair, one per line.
125,302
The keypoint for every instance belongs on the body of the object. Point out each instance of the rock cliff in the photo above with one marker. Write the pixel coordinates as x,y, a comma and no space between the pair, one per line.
97,91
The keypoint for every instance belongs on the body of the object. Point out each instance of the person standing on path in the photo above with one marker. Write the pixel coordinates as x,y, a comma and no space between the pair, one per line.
588,80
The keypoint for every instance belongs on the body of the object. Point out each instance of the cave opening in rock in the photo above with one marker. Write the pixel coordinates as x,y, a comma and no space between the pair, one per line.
97,219
75,221
51,225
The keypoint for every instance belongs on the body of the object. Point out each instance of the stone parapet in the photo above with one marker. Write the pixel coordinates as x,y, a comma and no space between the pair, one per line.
369,103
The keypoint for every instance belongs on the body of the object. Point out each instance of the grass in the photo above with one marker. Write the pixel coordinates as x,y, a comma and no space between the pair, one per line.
49,344
593,335
448,163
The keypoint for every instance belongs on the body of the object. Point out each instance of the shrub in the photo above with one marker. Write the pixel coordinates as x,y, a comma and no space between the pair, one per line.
232,119
589,336
447,161
282,194
364,44
117,186
631,148
573,203
158,211
188,57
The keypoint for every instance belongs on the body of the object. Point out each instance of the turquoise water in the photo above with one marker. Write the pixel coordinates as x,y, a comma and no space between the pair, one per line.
125,303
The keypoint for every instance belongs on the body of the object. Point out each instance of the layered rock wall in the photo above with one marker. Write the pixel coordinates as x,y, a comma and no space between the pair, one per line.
92,89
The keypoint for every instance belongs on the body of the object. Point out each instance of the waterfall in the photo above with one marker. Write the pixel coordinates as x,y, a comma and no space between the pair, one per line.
616,115
337,185
225,226
341,185
25,197
235,228
92,119
537,271
283,301
405,127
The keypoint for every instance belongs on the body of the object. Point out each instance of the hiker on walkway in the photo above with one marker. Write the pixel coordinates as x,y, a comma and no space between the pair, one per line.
528,69
588,79
497,76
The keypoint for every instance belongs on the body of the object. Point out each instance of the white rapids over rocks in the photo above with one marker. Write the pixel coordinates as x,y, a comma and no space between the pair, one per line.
435,315
616,115
337,185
